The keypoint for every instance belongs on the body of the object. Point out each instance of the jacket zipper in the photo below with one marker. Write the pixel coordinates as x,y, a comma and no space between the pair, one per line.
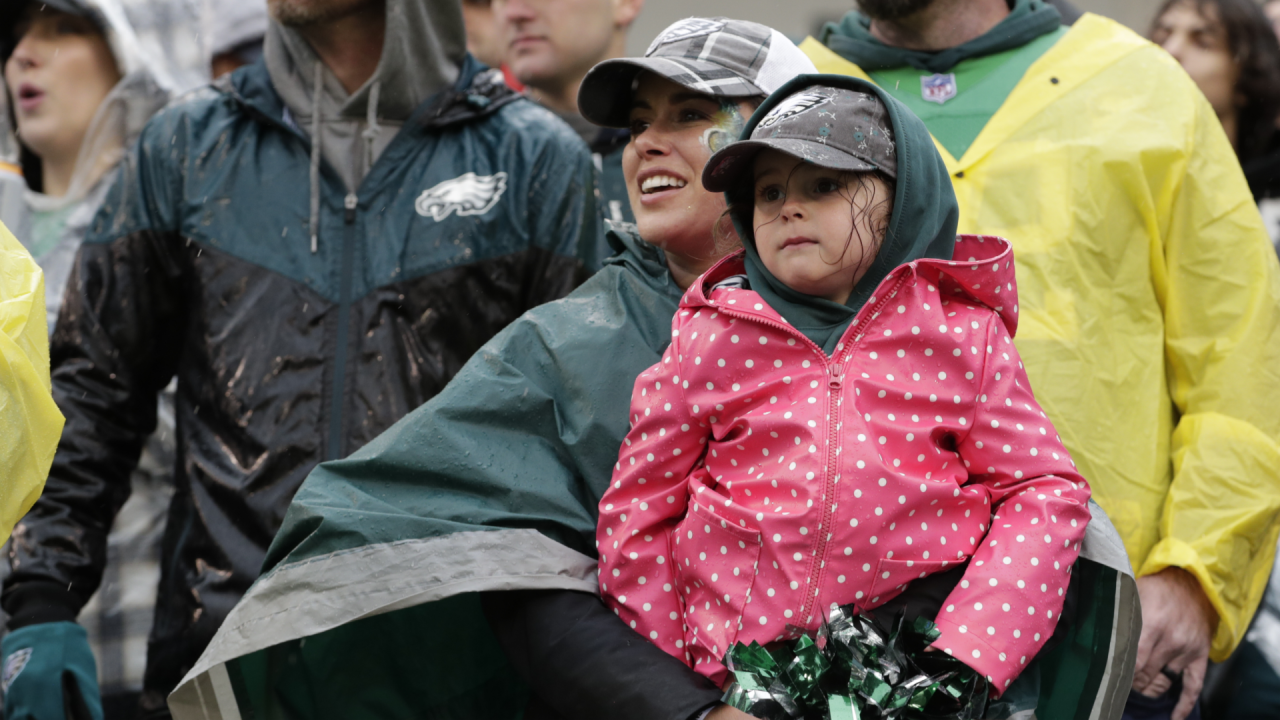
835,368
835,381
342,336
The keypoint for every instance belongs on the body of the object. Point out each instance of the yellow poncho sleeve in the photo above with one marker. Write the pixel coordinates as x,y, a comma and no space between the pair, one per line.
30,423
1219,283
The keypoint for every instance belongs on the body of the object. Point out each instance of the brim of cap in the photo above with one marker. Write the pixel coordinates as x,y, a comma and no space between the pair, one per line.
726,168
605,96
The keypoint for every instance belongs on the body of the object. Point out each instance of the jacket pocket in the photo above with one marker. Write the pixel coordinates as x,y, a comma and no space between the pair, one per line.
716,568
894,576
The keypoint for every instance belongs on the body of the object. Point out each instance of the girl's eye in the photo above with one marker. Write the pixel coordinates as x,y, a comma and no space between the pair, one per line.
770,193
827,185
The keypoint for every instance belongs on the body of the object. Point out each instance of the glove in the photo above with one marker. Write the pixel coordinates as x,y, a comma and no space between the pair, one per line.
49,674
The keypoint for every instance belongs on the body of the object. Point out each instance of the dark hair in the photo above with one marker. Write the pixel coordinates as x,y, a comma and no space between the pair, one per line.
741,202
1253,45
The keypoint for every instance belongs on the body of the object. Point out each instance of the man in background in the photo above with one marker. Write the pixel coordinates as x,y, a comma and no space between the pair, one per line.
550,45
1150,295
485,38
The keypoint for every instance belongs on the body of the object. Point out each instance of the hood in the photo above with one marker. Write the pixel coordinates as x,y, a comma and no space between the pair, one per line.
421,55
232,23
152,41
632,251
923,223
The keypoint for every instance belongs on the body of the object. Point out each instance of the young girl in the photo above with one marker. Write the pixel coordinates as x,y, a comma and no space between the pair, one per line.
841,410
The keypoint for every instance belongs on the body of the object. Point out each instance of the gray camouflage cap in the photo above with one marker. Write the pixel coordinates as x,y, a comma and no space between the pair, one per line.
717,56
830,127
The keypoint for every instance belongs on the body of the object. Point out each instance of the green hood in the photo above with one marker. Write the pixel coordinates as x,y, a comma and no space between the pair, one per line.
851,39
923,224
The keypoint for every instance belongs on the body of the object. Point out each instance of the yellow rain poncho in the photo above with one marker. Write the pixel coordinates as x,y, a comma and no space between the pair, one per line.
30,423
1150,319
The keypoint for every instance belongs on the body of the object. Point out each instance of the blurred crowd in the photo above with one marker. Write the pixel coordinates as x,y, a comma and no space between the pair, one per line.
79,163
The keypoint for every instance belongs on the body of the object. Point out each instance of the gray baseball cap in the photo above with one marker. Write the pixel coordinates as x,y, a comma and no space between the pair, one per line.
717,56
831,127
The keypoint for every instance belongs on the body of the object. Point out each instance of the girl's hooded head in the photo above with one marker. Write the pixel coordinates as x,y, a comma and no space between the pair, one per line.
833,185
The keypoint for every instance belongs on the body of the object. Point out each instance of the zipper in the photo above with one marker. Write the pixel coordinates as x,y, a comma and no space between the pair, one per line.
836,367
342,338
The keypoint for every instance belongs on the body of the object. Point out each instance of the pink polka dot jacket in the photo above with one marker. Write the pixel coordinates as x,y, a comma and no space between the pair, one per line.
764,482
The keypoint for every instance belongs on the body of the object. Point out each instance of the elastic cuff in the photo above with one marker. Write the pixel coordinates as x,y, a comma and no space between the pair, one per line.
32,603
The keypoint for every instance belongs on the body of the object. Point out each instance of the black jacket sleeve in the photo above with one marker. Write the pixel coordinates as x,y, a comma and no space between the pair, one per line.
114,349
584,663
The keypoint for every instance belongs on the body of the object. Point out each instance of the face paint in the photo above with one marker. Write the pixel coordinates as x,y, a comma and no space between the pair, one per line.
727,128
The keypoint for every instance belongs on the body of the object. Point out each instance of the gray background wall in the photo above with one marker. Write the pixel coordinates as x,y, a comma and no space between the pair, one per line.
797,18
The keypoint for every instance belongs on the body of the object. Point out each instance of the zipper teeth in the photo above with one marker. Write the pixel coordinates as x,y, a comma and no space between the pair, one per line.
817,565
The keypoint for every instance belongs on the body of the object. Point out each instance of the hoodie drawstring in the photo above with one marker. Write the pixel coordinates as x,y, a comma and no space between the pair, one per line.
374,129
315,156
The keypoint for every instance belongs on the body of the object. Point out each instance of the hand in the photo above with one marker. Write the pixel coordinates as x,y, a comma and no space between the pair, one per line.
1178,623
49,673
725,712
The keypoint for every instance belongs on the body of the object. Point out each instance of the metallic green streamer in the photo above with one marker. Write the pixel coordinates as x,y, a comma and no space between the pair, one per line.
850,670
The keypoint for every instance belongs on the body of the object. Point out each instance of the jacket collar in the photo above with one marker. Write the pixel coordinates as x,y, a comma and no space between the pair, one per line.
478,92
981,271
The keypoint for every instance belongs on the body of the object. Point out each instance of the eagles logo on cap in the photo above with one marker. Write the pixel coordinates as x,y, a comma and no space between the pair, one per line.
685,29
793,106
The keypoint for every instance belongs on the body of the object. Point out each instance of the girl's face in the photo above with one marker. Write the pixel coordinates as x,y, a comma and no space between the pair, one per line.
60,72
1199,43
817,230
673,130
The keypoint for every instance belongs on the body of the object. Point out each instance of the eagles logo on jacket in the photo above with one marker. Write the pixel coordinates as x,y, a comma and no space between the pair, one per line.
764,482
202,267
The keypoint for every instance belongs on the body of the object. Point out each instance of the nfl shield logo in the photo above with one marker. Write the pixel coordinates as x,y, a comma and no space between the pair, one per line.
938,88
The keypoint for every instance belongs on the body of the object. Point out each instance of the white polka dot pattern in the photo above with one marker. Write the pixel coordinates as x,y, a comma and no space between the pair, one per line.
763,481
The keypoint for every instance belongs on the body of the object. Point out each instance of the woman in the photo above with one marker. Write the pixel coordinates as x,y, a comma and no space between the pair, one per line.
1229,49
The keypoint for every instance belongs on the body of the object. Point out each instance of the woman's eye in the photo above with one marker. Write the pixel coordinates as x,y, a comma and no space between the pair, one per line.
639,126
688,115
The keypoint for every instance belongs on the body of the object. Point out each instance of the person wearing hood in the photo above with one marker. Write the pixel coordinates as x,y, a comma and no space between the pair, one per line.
83,80
823,356
549,47
312,247
1150,291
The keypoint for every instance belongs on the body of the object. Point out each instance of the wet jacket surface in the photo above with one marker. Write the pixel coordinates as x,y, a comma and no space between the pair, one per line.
764,481
1150,301
284,356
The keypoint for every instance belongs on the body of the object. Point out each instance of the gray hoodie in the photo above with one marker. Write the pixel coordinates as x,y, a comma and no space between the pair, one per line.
421,55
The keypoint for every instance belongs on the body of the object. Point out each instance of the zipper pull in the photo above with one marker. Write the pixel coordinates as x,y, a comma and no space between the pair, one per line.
837,374
350,202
